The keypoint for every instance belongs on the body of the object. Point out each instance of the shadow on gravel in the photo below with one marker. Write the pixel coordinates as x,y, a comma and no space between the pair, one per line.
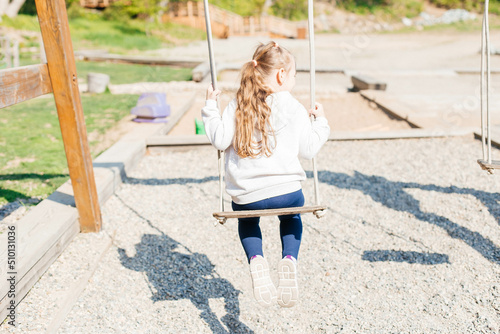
392,194
166,182
402,256
174,272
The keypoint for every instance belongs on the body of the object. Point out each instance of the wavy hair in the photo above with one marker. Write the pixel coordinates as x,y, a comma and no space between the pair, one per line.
253,114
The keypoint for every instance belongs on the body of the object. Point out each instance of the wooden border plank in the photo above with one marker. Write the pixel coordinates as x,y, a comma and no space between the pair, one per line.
495,141
23,83
334,136
271,212
61,63
38,238
399,134
175,118
62,238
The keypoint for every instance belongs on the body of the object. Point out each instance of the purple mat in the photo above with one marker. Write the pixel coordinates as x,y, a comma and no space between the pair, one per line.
152,105
150,120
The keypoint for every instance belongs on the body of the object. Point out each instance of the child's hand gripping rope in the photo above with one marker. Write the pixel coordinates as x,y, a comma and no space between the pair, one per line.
318,111
211,93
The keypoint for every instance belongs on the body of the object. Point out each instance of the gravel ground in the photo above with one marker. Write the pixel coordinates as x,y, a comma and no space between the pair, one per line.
410,245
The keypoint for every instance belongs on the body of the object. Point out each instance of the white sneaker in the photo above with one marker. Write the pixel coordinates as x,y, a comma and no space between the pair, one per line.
288,290
263,287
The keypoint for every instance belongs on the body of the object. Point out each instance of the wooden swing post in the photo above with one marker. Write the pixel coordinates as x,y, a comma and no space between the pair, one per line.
58,76
62,70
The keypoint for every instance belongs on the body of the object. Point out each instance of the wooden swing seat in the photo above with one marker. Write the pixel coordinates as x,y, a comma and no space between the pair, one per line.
495,164
268,212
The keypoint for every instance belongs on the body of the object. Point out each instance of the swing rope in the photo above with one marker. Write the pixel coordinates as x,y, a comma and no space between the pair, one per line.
312,75
318,210
213,74
486,163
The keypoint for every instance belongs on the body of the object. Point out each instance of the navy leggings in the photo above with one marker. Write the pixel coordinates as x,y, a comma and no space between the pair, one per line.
290,225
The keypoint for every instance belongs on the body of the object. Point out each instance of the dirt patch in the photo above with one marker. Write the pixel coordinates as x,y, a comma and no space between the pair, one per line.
352,112
105,140
16,162
345,112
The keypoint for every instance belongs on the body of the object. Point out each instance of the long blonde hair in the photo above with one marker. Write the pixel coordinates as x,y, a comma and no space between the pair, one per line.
252,111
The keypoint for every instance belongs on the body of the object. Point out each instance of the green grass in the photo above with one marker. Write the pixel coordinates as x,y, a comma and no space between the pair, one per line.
112,36
32,159
464,26
125,73
21,22
126,37
93,31
32,153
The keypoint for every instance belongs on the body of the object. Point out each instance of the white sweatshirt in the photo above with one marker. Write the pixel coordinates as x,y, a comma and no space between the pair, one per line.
253,179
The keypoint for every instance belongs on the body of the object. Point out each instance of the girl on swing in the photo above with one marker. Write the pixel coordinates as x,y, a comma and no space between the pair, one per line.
264,132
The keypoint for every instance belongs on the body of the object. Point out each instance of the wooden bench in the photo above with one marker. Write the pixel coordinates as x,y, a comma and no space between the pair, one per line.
362,82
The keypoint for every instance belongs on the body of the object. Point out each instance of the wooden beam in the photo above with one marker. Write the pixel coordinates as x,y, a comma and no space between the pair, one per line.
200,72
361,82
270,212
62,69
142,60
177,140
23,83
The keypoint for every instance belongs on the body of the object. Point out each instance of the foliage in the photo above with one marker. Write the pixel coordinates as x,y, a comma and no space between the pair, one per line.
411,8
471,5
290,9
133,9
243,8
391,8
90,29
75,10
29,8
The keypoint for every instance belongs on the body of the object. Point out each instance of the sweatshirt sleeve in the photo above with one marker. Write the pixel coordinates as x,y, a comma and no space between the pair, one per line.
313,135
219,129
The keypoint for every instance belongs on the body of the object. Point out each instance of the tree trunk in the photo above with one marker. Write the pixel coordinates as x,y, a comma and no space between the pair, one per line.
267,5
3,6
14,8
